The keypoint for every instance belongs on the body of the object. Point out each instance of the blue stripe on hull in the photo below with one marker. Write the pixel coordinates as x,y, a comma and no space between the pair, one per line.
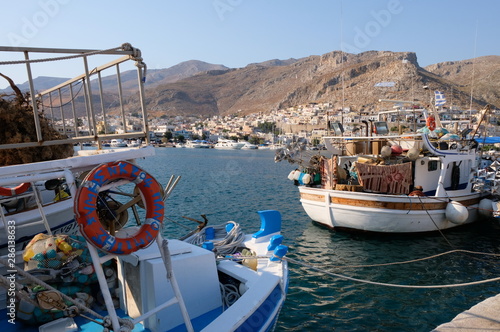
260,318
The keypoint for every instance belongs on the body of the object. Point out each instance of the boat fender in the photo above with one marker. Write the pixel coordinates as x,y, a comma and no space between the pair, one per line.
291,175
396,150
431,122
296,175
485,208
15,190
456,212
88,218
306,179
301,177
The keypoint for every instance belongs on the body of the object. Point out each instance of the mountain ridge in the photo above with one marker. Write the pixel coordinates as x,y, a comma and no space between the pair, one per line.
345,80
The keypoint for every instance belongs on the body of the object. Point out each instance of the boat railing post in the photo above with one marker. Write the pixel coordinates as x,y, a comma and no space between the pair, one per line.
92,124
141,80
62,111
165,254
32,97
103,285
120,96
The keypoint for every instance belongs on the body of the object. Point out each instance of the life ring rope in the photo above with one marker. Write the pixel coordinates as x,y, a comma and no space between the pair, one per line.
86,208
4,191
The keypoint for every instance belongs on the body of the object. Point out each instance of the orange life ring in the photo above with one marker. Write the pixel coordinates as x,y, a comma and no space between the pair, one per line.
86,209
15,190
431,123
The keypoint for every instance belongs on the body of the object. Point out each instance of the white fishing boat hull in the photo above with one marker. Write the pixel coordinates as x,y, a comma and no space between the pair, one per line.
382,213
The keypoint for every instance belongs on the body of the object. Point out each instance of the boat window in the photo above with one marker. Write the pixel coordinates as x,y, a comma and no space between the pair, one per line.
433,165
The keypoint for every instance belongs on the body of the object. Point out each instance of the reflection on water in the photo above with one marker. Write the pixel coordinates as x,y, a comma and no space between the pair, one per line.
233,185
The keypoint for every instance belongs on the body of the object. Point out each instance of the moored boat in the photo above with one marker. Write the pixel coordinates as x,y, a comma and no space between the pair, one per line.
370,185
228,144
107,273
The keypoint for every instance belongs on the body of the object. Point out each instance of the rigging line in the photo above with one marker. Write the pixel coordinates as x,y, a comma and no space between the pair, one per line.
473,71
239,257
291,260
69,102
439,230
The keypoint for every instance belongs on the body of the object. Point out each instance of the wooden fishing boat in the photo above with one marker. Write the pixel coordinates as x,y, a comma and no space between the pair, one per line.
372,184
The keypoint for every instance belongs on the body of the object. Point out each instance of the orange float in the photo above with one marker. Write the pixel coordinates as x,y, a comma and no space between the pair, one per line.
15,190
431,122
86,207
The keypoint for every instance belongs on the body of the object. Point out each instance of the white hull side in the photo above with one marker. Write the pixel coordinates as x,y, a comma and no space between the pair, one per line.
60,217
363,211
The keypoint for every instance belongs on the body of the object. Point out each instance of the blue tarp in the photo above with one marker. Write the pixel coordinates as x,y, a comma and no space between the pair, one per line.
488,140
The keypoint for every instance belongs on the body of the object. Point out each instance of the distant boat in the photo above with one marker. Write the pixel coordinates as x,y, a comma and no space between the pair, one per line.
197,144
249,146
118,143
264,147
228,144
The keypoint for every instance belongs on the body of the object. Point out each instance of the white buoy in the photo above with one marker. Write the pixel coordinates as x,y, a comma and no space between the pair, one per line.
456,213
413,153
485,208
306,179
296,175
386,151
291,175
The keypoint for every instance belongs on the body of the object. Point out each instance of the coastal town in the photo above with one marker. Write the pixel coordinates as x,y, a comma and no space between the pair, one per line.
311,122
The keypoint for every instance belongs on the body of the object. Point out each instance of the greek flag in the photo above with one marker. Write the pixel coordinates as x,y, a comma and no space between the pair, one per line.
440,99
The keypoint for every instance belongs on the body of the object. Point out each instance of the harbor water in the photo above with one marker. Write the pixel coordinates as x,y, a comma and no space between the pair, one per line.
234,184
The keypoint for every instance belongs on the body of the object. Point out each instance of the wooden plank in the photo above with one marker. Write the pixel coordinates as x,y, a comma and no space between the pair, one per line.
414,205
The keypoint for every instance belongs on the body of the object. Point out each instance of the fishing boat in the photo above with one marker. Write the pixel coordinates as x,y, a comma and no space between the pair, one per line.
75,261
372,184
228,144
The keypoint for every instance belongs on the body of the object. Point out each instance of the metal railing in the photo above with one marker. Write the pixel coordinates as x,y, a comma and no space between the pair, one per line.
62,96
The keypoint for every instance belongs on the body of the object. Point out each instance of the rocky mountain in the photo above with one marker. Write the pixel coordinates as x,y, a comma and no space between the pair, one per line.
480,75
345,80
358,81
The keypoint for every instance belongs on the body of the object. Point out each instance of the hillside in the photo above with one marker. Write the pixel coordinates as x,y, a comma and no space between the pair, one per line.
481,75
328,78
344,80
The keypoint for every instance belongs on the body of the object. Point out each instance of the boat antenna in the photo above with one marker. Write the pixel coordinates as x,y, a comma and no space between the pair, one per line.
473,74
342,63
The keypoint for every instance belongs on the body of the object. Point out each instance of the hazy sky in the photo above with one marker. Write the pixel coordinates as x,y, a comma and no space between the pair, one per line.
238,32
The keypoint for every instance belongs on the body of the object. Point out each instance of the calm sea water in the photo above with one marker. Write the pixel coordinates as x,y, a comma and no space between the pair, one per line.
233,185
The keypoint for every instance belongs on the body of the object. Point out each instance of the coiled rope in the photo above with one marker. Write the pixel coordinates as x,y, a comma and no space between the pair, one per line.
228,243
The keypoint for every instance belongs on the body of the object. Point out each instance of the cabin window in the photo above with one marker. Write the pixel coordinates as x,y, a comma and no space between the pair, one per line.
433,165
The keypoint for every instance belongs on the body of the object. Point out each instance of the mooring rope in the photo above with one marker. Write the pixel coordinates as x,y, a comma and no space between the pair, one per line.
309,266
317,269
125,47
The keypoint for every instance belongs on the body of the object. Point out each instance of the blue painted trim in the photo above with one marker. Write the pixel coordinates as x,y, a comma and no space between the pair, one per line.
262,315
270,222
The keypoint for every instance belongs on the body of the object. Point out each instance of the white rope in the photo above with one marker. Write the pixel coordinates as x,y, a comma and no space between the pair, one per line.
229,294
228,243
124,47
291,260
